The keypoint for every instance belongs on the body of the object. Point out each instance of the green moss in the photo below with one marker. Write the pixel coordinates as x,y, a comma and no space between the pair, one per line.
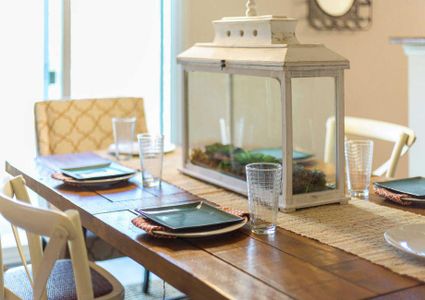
232,160
307,181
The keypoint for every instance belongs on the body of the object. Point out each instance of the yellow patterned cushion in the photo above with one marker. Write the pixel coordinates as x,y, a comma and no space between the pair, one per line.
67,126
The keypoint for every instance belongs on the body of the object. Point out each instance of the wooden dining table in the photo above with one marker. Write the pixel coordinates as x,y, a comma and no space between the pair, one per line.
236,265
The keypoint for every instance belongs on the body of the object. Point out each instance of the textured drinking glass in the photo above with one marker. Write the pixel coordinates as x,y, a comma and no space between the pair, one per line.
264,182
123,129
358,159
151,147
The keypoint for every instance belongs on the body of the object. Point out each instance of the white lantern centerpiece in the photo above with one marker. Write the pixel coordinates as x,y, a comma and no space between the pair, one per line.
255,94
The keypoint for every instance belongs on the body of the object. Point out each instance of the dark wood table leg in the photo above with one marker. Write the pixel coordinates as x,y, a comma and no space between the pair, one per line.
146,279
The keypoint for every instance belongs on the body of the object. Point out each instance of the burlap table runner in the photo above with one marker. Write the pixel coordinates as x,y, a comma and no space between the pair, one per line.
357,227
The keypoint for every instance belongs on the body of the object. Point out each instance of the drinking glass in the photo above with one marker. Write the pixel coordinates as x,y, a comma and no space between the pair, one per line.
151,147
264,182
123,129
358,161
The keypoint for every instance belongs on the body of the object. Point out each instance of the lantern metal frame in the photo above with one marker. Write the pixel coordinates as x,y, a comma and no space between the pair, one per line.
273,52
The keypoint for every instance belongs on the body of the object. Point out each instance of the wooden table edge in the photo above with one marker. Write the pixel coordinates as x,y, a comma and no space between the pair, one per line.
168,267
86,221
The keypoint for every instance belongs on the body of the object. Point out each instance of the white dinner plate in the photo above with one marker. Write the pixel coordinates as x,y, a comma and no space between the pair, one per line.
197,234
408,238
135,149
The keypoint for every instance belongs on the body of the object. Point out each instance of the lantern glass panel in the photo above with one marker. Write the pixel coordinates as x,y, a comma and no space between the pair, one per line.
233,120
313,107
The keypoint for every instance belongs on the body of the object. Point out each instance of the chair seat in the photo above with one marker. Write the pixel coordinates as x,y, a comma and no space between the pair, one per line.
60,285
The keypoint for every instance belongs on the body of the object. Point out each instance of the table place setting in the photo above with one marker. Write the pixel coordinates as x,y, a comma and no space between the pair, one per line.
404,191
112,173
90,169
86,169
190,220
409,238
201,219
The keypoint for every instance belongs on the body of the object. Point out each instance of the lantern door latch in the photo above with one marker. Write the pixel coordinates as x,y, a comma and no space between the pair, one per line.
222,64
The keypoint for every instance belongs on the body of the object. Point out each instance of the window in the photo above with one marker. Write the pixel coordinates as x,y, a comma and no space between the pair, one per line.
80,48
113,48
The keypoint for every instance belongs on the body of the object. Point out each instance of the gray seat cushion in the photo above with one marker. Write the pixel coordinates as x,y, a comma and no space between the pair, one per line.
61,283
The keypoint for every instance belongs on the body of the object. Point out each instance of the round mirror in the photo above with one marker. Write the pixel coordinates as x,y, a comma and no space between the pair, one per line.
335,8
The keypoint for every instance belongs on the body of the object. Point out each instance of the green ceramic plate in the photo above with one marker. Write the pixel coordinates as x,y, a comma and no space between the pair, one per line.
188,215
105,171
277,153
414,186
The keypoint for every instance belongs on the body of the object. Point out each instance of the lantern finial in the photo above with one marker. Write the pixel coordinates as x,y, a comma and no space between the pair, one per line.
250,8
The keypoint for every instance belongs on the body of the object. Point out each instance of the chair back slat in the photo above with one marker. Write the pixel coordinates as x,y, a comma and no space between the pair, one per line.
80,262
375,129
21,253
402,137
51,254
34,242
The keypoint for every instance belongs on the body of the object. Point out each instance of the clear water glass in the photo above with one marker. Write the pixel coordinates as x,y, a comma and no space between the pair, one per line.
264,182
151,148
358,162
124,136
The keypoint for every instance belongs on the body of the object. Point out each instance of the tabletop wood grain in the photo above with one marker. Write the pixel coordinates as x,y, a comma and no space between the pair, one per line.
238,265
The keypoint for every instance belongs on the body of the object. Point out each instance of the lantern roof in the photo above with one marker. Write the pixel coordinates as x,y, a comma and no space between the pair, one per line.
262,42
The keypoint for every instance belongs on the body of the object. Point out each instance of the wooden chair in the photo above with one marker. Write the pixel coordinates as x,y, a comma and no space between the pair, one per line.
402,137
49,277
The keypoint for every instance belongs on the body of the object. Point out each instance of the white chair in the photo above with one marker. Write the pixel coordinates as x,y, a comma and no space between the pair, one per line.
402,137
49,277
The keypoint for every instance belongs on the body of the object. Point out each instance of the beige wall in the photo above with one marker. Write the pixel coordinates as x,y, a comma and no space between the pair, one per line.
376,85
